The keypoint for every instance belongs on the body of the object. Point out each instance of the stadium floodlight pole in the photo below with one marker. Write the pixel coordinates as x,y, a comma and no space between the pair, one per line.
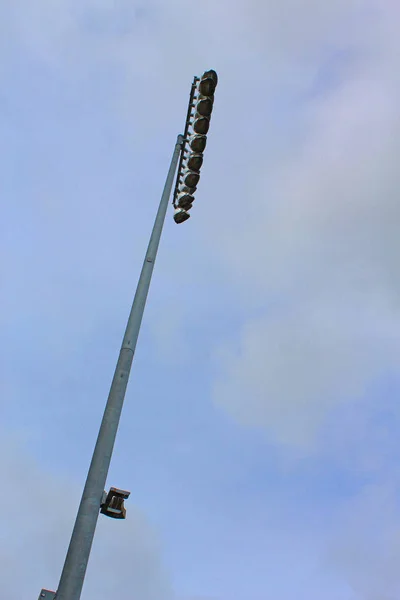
73,573
94,499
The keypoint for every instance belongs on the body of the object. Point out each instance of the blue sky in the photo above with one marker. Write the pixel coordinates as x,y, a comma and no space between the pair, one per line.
259,434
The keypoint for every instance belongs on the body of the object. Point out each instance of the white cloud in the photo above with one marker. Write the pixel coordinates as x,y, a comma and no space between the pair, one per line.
36,523
366,546
321,251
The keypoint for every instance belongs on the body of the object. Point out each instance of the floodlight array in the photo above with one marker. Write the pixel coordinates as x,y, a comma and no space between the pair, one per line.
201,104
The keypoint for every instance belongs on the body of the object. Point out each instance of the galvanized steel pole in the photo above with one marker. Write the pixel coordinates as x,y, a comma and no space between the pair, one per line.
73,573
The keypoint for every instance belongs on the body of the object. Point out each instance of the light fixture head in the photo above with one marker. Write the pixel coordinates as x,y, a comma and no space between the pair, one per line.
180,215
112,504
208,83
185,201
198,143
204,106
194,161
191,179
201,125
185,189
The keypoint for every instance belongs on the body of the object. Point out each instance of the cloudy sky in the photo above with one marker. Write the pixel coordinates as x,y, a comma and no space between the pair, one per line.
259,436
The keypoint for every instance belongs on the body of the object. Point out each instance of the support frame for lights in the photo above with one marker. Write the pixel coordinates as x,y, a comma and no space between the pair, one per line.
185,138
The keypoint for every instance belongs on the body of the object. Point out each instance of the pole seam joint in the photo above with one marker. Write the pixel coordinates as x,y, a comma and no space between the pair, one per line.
124,347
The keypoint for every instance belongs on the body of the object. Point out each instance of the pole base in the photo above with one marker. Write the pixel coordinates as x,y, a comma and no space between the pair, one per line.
47,595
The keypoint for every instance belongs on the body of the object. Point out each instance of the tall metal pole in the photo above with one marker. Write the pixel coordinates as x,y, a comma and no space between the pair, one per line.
73,573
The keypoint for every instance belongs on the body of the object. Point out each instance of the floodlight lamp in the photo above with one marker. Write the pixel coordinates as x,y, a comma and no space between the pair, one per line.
208,83
191,179
185,189
194,161
180,215
212,75
198,143
185,201
112,504
204,106
201,125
